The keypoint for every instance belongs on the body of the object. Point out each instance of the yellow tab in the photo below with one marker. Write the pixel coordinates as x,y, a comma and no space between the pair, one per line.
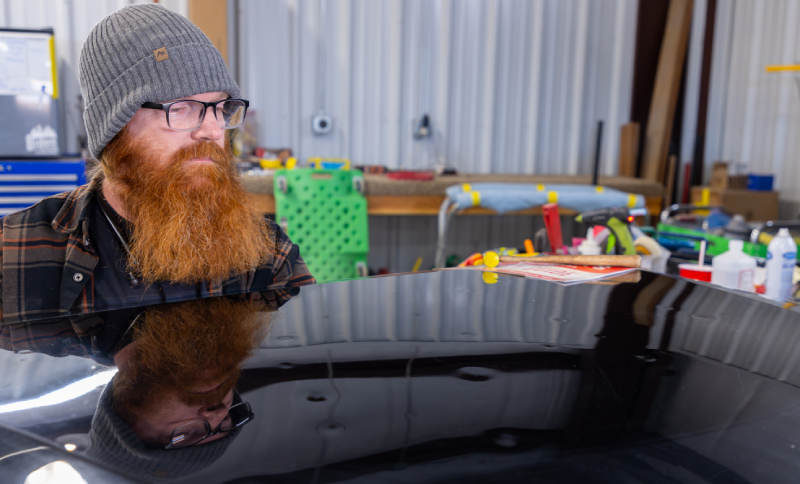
476,198
705,200
598,189
466,187
552,197
631,200
785,68
540,187
53,67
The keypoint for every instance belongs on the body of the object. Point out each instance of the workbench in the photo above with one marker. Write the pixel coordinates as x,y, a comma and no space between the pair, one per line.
406,197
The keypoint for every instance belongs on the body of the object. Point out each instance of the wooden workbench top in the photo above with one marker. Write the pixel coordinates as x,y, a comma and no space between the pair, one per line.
381,185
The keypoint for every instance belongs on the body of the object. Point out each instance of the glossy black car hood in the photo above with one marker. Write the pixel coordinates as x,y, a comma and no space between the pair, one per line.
440,377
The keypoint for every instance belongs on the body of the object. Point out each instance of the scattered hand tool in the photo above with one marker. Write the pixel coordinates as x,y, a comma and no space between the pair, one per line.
617,221
529,247
473,260
553,224
491,259
411,175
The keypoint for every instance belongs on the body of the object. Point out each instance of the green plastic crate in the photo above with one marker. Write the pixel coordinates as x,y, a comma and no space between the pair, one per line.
325,213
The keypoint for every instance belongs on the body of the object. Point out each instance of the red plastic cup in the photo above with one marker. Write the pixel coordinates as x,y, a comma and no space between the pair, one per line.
696,272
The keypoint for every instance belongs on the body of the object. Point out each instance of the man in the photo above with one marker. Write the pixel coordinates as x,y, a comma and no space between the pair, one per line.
164,217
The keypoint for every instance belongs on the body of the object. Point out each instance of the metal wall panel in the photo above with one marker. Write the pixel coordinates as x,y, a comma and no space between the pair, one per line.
753,115
512,86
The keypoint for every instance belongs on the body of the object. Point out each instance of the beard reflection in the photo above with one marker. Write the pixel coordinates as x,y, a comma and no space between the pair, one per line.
192,220
184,364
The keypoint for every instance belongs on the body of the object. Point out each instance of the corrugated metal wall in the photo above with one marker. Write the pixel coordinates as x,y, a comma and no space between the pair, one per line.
512,86
753,115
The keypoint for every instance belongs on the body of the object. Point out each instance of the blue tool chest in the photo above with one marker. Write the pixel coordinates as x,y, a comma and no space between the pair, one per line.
23,183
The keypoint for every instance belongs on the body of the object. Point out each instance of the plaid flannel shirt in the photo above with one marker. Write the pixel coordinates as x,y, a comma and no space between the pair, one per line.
47,284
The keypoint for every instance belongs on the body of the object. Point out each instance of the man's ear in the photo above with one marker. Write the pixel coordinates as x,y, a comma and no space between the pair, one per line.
123,357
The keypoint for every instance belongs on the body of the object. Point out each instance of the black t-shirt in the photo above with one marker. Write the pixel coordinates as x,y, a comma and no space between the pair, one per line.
114,287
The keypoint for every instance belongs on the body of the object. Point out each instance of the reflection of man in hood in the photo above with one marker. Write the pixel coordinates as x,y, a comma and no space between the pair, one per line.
172,408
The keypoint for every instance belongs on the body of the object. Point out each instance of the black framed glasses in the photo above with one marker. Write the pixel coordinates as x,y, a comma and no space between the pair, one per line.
197,431
189,114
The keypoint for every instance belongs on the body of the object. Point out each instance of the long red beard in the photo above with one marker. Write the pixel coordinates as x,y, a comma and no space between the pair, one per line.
190,223
184,346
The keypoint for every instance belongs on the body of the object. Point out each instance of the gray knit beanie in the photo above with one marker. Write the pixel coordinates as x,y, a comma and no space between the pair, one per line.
114,444
144,53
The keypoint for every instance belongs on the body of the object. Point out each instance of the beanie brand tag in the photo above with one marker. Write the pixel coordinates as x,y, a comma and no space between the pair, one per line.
161,54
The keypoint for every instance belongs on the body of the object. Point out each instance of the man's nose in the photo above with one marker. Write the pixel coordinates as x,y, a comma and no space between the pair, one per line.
209,129
214,414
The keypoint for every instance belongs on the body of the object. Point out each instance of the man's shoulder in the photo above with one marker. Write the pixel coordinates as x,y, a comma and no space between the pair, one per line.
45,212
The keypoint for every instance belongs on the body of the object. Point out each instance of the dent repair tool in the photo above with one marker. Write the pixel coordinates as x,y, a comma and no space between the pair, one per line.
617,221
491,260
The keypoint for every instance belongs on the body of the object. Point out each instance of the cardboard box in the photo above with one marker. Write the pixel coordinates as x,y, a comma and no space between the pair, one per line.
753,205
720,178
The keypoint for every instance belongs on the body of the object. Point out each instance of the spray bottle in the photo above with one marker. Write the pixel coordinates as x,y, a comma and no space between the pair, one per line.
781,259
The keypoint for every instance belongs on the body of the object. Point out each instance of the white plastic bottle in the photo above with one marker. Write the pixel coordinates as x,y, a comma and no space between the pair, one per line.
734,269
589,246
781,258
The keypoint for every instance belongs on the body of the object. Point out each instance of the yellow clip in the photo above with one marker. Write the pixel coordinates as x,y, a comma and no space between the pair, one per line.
540,187
271,164
491,259
466,187
631,200
552,197
476,198
705,200
599,189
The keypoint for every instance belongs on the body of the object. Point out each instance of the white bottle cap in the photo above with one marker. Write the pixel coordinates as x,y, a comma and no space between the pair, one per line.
736,244
784,232
589,246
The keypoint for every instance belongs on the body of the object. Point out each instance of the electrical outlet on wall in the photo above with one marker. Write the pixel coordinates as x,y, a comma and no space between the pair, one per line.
322,123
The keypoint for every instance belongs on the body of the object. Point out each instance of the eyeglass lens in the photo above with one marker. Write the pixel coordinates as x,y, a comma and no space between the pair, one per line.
197,430
189,114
